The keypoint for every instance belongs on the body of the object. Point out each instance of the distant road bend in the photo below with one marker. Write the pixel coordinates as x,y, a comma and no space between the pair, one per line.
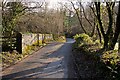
52,61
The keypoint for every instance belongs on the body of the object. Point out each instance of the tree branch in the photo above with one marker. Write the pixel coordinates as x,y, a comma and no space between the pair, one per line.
78,18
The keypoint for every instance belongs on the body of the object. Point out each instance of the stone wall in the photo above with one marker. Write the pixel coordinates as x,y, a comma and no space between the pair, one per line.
30,38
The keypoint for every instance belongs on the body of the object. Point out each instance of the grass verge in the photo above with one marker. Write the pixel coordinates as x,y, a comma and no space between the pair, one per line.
93,62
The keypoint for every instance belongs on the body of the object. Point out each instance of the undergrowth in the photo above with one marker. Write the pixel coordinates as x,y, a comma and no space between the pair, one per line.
108,61
10,58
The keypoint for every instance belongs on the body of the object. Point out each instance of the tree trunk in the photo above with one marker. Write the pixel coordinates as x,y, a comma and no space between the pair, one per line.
97,5
117,30
109,33
106,40
99,34
94,28
119,44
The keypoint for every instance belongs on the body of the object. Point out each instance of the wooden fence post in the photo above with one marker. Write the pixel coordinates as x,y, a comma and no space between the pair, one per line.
19,42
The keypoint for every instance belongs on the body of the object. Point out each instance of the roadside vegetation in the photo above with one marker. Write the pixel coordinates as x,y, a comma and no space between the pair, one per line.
94,25
93,61
12,57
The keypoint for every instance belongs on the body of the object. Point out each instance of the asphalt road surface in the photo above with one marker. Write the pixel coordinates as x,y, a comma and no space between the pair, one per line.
52,61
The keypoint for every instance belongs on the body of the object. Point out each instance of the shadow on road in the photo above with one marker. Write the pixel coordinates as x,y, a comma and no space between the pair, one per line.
58,68
30,73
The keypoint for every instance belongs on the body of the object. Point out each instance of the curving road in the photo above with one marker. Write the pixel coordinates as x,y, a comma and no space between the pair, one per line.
52,61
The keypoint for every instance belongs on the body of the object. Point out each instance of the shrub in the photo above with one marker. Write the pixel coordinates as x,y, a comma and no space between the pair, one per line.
36,43
10,58
110,57
47,40
76,36
98,42
61,39
111,60
82,39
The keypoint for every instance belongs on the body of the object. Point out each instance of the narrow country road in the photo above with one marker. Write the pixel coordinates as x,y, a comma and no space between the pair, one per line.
52,61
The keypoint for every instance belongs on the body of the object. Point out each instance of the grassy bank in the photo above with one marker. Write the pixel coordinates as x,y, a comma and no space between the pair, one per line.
93,61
